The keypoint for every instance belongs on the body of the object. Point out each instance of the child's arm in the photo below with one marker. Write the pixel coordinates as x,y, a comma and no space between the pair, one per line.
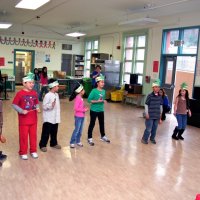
48,102
175,105
19,110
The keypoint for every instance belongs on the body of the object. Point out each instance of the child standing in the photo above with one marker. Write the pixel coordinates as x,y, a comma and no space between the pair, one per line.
43,83
97,100
153,110
51,117
181,108
166,106
26,104
36,81
2,156
79,114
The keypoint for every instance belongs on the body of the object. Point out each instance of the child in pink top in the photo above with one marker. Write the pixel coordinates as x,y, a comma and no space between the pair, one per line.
43,83
79,114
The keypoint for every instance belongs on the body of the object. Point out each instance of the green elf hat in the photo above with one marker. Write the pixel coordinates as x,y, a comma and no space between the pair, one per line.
28,77
156,83
99,78
184,86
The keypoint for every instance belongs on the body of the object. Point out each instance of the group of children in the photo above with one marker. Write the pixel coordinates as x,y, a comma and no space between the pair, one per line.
157,105
27,106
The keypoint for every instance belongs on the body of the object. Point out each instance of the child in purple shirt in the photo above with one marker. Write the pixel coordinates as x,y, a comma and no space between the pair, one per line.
79,114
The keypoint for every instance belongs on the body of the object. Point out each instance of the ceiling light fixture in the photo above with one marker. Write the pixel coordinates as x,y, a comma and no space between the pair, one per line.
139,21
31,4
4,25
75,34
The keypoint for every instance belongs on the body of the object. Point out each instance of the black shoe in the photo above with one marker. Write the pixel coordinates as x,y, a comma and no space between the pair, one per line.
180,137
174,137
2,156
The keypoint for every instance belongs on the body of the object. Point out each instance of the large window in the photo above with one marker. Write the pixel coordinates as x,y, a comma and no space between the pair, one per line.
181,41
91,46
134,56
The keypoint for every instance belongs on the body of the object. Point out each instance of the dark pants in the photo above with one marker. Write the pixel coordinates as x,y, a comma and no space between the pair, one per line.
166,109
51,130
93,116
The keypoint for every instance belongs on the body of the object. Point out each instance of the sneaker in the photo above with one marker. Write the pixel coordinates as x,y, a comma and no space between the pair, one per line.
3,156
57,146
90,142
105,139
153,141
72,146
80,144
43,149
24,157
143,141
34,155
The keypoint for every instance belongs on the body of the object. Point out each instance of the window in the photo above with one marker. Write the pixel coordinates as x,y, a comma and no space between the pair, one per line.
134,56
91,46
181,41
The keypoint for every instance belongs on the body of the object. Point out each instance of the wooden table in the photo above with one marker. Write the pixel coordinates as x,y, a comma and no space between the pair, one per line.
132,98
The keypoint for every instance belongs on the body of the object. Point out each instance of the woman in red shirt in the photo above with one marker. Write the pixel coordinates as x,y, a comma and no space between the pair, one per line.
43,83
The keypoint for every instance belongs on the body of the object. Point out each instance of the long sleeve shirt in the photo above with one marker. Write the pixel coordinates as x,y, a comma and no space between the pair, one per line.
79,108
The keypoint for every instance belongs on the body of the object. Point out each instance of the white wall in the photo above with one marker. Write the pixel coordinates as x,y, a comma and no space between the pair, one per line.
6,51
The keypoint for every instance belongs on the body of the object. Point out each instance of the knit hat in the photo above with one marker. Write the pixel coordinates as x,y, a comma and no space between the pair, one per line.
184,86
51,85
99,78
156,83
28,77
79,89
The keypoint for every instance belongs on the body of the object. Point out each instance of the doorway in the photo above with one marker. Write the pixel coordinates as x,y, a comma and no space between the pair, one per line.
177,69
23,63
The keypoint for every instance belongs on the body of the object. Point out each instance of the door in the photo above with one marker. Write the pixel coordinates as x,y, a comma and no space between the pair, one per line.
169,76
23,63
66,64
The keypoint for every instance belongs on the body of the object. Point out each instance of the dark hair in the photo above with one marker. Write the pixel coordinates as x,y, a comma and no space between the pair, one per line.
43,72
164,93
186,97
74,94
51,80
98,66
36,75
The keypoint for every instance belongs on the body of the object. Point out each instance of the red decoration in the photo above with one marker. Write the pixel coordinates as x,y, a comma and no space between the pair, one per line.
2,61
155,66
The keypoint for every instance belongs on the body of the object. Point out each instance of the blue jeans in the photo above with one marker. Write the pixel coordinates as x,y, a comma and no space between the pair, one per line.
182,121
76,135
36,87
151,127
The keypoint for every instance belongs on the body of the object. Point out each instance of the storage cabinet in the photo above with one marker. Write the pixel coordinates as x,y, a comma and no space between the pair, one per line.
78,66
98,59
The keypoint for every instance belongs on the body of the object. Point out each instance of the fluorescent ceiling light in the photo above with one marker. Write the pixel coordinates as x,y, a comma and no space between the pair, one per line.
139,21
31,4
4,25
75,34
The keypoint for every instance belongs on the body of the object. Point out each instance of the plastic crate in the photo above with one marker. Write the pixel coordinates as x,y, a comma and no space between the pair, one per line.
117,95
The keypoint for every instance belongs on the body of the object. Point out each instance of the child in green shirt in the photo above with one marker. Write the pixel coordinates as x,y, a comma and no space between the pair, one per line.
97,100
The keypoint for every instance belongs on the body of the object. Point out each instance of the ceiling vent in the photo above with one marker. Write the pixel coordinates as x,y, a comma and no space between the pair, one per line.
139,21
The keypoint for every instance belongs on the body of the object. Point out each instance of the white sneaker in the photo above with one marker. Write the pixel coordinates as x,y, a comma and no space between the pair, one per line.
34,155
72,145
80,144
24,157
105,139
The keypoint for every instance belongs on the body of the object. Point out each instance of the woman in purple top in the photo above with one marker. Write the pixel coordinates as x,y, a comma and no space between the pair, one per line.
79,114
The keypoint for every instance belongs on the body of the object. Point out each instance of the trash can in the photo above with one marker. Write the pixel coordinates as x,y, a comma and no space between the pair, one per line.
87,85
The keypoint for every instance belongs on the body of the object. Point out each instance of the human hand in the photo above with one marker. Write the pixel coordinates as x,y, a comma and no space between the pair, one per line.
38,110
24,112
147,116
160,121
53,103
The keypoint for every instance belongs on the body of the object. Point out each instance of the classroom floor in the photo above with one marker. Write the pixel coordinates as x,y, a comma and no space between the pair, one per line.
125,169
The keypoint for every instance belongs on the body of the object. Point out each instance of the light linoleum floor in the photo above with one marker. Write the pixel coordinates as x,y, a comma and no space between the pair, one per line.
125,169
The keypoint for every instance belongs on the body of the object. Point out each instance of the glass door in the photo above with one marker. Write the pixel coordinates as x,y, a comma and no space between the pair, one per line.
169,75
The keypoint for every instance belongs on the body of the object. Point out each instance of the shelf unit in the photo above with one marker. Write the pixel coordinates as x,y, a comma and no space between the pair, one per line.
78,65
98,59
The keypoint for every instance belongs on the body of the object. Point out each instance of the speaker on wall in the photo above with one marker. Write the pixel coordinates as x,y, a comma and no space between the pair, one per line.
133,78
